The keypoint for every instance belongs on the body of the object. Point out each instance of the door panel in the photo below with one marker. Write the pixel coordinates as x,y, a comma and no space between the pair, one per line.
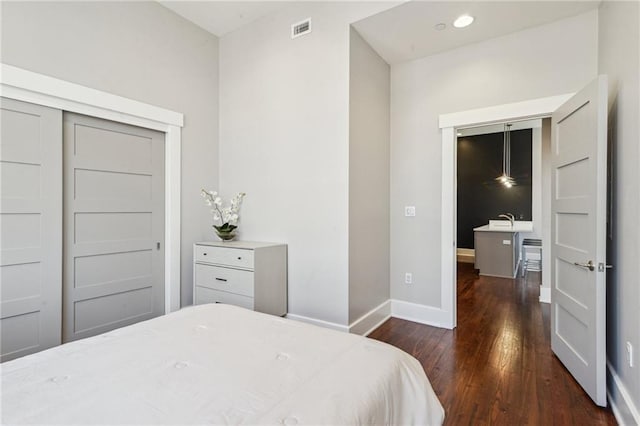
30,228
578,225
114,220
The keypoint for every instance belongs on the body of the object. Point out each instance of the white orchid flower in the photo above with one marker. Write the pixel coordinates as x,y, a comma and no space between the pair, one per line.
223,214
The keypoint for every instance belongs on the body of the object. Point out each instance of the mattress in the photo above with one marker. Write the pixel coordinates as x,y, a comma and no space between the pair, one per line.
219,364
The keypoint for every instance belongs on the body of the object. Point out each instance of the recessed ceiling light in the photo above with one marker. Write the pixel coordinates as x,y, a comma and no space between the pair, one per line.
459,133
441,26
463,21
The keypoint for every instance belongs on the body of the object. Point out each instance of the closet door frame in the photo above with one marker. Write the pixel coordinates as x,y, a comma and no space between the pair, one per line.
28,86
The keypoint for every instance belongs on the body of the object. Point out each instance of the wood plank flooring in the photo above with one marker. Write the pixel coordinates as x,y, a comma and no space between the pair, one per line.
496,367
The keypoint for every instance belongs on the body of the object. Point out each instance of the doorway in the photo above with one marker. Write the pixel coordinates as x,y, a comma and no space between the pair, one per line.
449,125
499,174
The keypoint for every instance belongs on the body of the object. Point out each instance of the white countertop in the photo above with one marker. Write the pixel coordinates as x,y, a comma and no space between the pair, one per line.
487,228
505,226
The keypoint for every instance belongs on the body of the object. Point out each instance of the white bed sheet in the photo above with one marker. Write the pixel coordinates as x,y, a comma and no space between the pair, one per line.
219,364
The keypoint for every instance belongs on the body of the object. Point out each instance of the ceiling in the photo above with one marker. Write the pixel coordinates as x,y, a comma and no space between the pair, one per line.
404,32
222,17
499,128
407,32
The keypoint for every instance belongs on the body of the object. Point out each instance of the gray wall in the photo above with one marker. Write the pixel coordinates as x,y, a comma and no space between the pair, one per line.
368,178
552,59
284,140
138,50
619,59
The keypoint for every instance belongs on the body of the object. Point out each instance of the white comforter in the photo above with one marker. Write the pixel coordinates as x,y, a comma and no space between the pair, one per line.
219,364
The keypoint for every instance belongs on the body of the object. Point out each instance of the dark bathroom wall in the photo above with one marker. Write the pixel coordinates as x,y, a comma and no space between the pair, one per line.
480,196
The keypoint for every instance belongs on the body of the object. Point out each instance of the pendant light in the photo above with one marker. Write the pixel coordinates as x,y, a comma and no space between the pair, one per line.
505,178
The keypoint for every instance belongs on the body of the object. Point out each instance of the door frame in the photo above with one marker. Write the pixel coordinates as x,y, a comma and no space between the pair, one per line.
448,123
17,83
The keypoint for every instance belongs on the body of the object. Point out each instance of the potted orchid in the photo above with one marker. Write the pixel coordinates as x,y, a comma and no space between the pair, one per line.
227,215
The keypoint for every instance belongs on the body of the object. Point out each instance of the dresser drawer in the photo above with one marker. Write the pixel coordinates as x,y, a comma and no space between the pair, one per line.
207,295
227,272
225,279
238,258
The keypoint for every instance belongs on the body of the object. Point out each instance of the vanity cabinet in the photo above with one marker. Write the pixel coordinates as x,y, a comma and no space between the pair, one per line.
248,274
497,253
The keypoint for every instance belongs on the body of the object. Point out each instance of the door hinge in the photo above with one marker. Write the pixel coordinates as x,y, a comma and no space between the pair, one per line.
158,245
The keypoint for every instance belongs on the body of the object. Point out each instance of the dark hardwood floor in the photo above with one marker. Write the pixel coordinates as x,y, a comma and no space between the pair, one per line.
496,367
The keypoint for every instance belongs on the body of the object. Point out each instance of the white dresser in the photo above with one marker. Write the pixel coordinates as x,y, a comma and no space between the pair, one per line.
243,273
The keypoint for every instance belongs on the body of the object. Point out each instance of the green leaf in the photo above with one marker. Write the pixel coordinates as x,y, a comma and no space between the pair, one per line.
226,227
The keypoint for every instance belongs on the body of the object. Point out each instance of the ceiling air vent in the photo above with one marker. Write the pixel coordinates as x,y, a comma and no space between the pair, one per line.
301,28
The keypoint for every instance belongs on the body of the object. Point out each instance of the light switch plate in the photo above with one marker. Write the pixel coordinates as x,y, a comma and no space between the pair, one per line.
409,211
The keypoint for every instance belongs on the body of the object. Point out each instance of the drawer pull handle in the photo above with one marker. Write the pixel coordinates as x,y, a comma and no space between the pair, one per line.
221,279
239,258
204,254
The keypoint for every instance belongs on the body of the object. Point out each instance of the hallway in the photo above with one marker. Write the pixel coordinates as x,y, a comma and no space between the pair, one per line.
496,367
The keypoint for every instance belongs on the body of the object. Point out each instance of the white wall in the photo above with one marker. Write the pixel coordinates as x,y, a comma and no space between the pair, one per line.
368,178
546,207
541,200
284,140
138,50
553,59
619,58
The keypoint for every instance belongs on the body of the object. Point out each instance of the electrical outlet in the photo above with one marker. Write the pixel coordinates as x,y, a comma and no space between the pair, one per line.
409,211
408,278
630,354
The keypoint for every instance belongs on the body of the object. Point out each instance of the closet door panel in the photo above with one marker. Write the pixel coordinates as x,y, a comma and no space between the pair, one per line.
114,220
30,228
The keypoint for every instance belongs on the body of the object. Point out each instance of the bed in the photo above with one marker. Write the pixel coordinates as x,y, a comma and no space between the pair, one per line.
219,364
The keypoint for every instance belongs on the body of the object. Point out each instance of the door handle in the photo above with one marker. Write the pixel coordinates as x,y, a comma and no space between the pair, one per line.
589,265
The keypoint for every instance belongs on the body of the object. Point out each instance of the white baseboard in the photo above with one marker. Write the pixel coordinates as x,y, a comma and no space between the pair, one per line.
321,323
622,405
371,320
463,258
364,325
465,255
419,313
545,295
465,251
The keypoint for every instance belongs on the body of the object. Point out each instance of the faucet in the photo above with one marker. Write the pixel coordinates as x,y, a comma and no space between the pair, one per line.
509,217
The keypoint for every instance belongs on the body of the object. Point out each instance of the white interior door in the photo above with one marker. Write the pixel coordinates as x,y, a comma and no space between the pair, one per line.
30,228
113,225
578,227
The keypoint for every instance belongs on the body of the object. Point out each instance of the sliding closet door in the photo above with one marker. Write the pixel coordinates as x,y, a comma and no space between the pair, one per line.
30,228
114,225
